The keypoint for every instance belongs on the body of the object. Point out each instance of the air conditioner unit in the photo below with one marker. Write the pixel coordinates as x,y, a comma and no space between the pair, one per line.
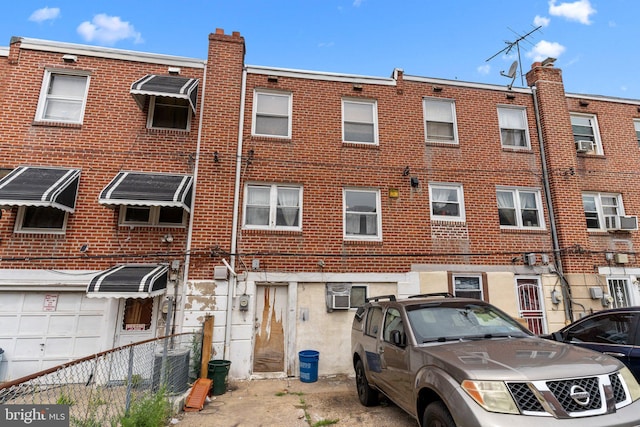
619,222
584,146
340,302
628,223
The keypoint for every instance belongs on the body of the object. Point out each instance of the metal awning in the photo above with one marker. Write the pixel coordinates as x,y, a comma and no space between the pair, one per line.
148,189
40,186
171,86
129,281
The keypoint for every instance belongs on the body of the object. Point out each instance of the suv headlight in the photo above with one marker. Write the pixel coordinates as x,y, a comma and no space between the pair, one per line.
632,384
493,396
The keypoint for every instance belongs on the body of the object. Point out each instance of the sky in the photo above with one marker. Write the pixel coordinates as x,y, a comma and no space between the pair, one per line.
595,42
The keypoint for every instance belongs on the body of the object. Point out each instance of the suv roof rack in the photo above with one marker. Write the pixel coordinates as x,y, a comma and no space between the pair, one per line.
381,297
433,294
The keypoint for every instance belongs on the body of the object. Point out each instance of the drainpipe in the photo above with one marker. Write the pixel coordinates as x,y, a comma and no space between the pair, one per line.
234,223
552,223
187,256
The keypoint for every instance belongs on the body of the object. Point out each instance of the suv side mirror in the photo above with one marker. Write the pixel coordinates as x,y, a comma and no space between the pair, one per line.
398,338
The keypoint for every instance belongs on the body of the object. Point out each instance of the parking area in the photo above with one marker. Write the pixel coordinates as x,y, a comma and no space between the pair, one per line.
292,403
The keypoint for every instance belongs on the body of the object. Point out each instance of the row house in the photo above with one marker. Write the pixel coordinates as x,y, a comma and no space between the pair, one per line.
143,190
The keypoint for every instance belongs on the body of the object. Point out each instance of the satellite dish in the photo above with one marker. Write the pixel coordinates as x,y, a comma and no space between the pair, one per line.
512,71
511,74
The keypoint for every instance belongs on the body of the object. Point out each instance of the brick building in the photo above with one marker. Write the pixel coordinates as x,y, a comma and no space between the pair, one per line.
312,191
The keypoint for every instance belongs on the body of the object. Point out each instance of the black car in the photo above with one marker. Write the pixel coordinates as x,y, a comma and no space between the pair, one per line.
615,332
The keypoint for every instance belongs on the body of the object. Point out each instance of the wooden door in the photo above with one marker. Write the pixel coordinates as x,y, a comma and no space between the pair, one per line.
270,326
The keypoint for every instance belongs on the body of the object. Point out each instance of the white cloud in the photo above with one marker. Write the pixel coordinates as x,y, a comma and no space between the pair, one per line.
357,3
45,14
544,49
326,44
539,21
484,69
579,10
108,30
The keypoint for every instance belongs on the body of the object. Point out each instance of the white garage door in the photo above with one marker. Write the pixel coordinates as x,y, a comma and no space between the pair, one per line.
39,330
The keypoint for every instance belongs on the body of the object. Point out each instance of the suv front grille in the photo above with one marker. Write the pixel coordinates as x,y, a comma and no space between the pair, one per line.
559,395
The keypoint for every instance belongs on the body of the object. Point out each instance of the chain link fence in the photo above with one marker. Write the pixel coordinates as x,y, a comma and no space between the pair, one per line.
101,388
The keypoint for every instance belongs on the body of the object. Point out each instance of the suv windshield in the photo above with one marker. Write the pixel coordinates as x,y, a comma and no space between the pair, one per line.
436,322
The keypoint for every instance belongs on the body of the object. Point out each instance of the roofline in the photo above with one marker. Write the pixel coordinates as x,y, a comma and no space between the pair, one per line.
4,51
603,98
317,75
104,52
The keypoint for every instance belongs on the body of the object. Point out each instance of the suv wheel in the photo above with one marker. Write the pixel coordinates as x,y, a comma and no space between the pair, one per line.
437,415
367,395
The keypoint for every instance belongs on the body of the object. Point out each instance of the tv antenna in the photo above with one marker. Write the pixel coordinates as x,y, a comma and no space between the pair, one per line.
514,66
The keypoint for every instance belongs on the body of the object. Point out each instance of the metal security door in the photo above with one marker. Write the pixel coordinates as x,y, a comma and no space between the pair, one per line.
530,304
270,340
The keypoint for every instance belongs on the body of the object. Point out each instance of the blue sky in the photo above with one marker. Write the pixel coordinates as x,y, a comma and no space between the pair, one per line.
595,41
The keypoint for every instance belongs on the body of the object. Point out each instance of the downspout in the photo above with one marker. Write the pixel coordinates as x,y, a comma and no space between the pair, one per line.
187,257
234,223
552,222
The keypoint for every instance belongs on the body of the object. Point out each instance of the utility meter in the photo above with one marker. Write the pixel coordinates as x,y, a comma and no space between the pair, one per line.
243,302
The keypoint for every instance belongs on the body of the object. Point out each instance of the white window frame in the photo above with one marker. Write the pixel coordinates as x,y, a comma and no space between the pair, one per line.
454,123
273,207
152,108
154,218
374,111
470,276
459,200
288,116
20,228
636,126
604,218
378,236
44,95
518,208
597,142
524,126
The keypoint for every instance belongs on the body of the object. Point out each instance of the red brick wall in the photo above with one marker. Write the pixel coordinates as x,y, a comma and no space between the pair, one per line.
113,137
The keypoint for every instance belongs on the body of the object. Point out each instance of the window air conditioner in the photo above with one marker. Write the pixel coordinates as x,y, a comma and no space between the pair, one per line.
340,302
629,223
584,146
619,222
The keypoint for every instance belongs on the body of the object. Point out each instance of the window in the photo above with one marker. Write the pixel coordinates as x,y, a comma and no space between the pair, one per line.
467,287
440,120
519,208
63,97
138,313
612,328
39,219
271,114
169,113
373,321
636,125
358,296
447,202
513,127
585,133
619,291
602,210
273,207
152,216
392,322
362,215
360,121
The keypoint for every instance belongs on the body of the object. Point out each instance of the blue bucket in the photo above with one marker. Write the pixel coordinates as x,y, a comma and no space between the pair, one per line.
309,365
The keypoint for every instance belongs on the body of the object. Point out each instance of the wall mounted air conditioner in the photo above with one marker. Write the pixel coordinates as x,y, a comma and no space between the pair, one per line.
340,302
584,146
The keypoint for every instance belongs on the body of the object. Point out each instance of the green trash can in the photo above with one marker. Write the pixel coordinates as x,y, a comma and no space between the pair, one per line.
217,371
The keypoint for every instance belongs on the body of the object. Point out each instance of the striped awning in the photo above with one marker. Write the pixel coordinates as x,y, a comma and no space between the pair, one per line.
40,186
148,189
171,86
129,281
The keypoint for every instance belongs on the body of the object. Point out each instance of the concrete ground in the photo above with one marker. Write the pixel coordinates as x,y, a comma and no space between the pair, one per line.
289,402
